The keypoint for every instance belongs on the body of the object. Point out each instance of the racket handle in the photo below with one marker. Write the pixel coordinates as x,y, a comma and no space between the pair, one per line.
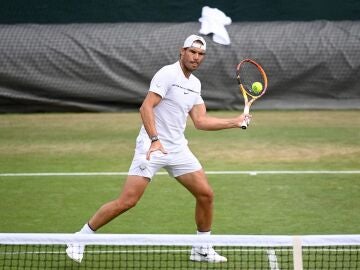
245,123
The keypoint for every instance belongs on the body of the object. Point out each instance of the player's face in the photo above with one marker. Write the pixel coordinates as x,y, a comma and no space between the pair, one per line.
191,58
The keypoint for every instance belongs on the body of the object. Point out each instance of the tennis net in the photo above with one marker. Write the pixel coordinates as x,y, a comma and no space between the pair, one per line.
154,251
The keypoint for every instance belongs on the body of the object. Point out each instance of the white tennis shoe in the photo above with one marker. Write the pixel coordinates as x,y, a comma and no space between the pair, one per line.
206,254
75,251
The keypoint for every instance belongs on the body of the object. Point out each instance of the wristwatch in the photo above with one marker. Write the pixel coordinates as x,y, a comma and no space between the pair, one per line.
154,138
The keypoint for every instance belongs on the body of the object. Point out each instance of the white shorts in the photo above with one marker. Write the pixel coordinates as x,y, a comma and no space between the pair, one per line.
175,164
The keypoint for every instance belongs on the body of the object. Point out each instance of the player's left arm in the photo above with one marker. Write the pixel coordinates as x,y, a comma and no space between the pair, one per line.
204,121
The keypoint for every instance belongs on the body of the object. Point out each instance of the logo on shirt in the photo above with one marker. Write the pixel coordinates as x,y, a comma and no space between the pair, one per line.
186,90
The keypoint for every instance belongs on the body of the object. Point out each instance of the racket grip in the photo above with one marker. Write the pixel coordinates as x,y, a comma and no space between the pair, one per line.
246,120
245,123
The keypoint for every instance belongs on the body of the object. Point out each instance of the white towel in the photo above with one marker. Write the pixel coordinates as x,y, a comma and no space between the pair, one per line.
213,21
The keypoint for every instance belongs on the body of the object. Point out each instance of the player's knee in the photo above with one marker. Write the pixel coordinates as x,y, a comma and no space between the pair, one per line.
128,204
124,205
210,196
206,197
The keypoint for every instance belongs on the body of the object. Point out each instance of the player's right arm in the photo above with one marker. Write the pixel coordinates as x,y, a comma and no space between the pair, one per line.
147,112
148,118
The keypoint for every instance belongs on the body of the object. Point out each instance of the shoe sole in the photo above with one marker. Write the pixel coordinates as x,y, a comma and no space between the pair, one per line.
201,259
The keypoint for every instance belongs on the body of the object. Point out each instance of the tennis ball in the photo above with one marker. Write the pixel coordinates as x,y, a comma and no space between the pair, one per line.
257,87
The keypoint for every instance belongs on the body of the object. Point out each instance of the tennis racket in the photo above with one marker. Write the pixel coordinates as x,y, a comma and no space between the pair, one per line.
253,83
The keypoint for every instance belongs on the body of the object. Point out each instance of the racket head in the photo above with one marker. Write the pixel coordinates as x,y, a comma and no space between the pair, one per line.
248,72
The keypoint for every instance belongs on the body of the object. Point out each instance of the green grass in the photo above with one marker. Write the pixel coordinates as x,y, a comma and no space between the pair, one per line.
244,204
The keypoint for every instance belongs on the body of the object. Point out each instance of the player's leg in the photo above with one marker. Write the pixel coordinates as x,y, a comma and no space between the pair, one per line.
140,173
197,183
132,191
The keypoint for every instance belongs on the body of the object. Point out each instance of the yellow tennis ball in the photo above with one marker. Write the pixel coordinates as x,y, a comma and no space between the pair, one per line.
257,87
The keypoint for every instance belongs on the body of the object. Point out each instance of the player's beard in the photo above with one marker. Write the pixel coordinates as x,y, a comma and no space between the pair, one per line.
191,65
194,65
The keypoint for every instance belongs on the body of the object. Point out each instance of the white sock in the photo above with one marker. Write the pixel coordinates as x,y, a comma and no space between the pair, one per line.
86,229
203,233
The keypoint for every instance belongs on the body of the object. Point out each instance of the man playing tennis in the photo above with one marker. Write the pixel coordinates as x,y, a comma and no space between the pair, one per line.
174,94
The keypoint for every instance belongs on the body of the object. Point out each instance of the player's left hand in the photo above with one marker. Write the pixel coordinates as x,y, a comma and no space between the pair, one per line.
243,117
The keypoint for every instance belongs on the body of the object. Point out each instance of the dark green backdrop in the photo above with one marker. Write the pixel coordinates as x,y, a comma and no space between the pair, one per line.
96,11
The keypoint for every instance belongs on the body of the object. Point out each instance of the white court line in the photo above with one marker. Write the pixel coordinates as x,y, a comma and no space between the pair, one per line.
165,173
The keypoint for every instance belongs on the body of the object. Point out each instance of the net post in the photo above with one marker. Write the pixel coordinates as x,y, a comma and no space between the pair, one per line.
297,253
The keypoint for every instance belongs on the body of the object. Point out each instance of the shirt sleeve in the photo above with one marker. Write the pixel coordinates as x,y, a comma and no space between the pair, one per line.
199,100
160,82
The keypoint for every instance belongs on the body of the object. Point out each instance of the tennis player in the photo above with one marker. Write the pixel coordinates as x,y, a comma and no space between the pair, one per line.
174,94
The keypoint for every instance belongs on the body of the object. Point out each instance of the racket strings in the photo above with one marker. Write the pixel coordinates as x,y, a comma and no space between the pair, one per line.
249,74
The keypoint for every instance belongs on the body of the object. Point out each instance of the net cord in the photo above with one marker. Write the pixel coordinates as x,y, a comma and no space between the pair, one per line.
179,239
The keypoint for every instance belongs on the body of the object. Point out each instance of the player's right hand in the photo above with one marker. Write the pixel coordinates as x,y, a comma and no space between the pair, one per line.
155,146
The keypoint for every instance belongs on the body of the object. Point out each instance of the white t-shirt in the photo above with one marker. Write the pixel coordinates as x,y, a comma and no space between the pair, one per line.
179,94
